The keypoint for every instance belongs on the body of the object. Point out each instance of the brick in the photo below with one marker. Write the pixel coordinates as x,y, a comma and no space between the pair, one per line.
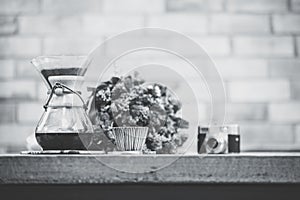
242,68
297,134
170,62
288,68
69,46
186,23
42,92
189,113
259,91
15,134
257,6
168,41
50,25
298,45
104,24
239,112
264,46
26,70
69,7
18,89
196,89
8,112
20,46
286,23
29,113
11,7
295,5
133,6
263,136
167,75
218,45
295,89
242,23
194,5
3,150
7,68
284,112
8,25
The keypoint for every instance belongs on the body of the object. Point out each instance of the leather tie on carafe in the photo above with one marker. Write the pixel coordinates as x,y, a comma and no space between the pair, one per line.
64,90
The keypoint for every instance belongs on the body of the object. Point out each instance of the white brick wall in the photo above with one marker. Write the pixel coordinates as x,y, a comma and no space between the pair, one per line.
195,5
7,69
109,25
68,45
259,91
7,25
24,69
286,23
297,134
8,113
239,23
133,6
257,6
14,46
254,43
42,91
295,5
285,68
298,45
242,68
210,43
50,25
295,89
9,7
30,112
285,112
240,112
265,136
15,134
264,46
186,23
69,7
18,89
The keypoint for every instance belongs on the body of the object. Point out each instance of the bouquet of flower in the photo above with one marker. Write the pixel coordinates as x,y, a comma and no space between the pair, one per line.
130,102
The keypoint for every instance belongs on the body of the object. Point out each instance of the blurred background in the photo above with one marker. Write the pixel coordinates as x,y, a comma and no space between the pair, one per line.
254,43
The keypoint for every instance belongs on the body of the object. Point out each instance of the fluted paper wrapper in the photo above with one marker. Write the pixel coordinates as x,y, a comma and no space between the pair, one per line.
130,138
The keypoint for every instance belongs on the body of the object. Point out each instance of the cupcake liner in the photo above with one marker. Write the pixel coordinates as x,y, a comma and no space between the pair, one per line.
130,138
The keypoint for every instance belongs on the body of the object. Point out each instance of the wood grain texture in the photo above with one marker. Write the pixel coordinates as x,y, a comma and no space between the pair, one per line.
74,169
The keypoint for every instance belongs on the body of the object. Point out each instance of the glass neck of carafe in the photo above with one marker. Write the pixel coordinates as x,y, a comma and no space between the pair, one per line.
65,92
66,100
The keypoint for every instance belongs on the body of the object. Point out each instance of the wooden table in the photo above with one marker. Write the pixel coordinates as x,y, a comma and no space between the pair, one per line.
152,169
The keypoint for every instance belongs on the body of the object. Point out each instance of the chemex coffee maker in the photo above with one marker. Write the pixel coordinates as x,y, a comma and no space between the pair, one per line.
64,124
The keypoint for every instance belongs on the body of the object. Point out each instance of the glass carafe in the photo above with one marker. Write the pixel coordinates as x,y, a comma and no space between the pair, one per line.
64,125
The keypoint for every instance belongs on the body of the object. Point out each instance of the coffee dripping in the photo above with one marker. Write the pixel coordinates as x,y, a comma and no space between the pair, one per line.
64,124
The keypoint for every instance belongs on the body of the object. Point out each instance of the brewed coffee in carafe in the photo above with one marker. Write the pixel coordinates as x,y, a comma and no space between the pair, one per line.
64,125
